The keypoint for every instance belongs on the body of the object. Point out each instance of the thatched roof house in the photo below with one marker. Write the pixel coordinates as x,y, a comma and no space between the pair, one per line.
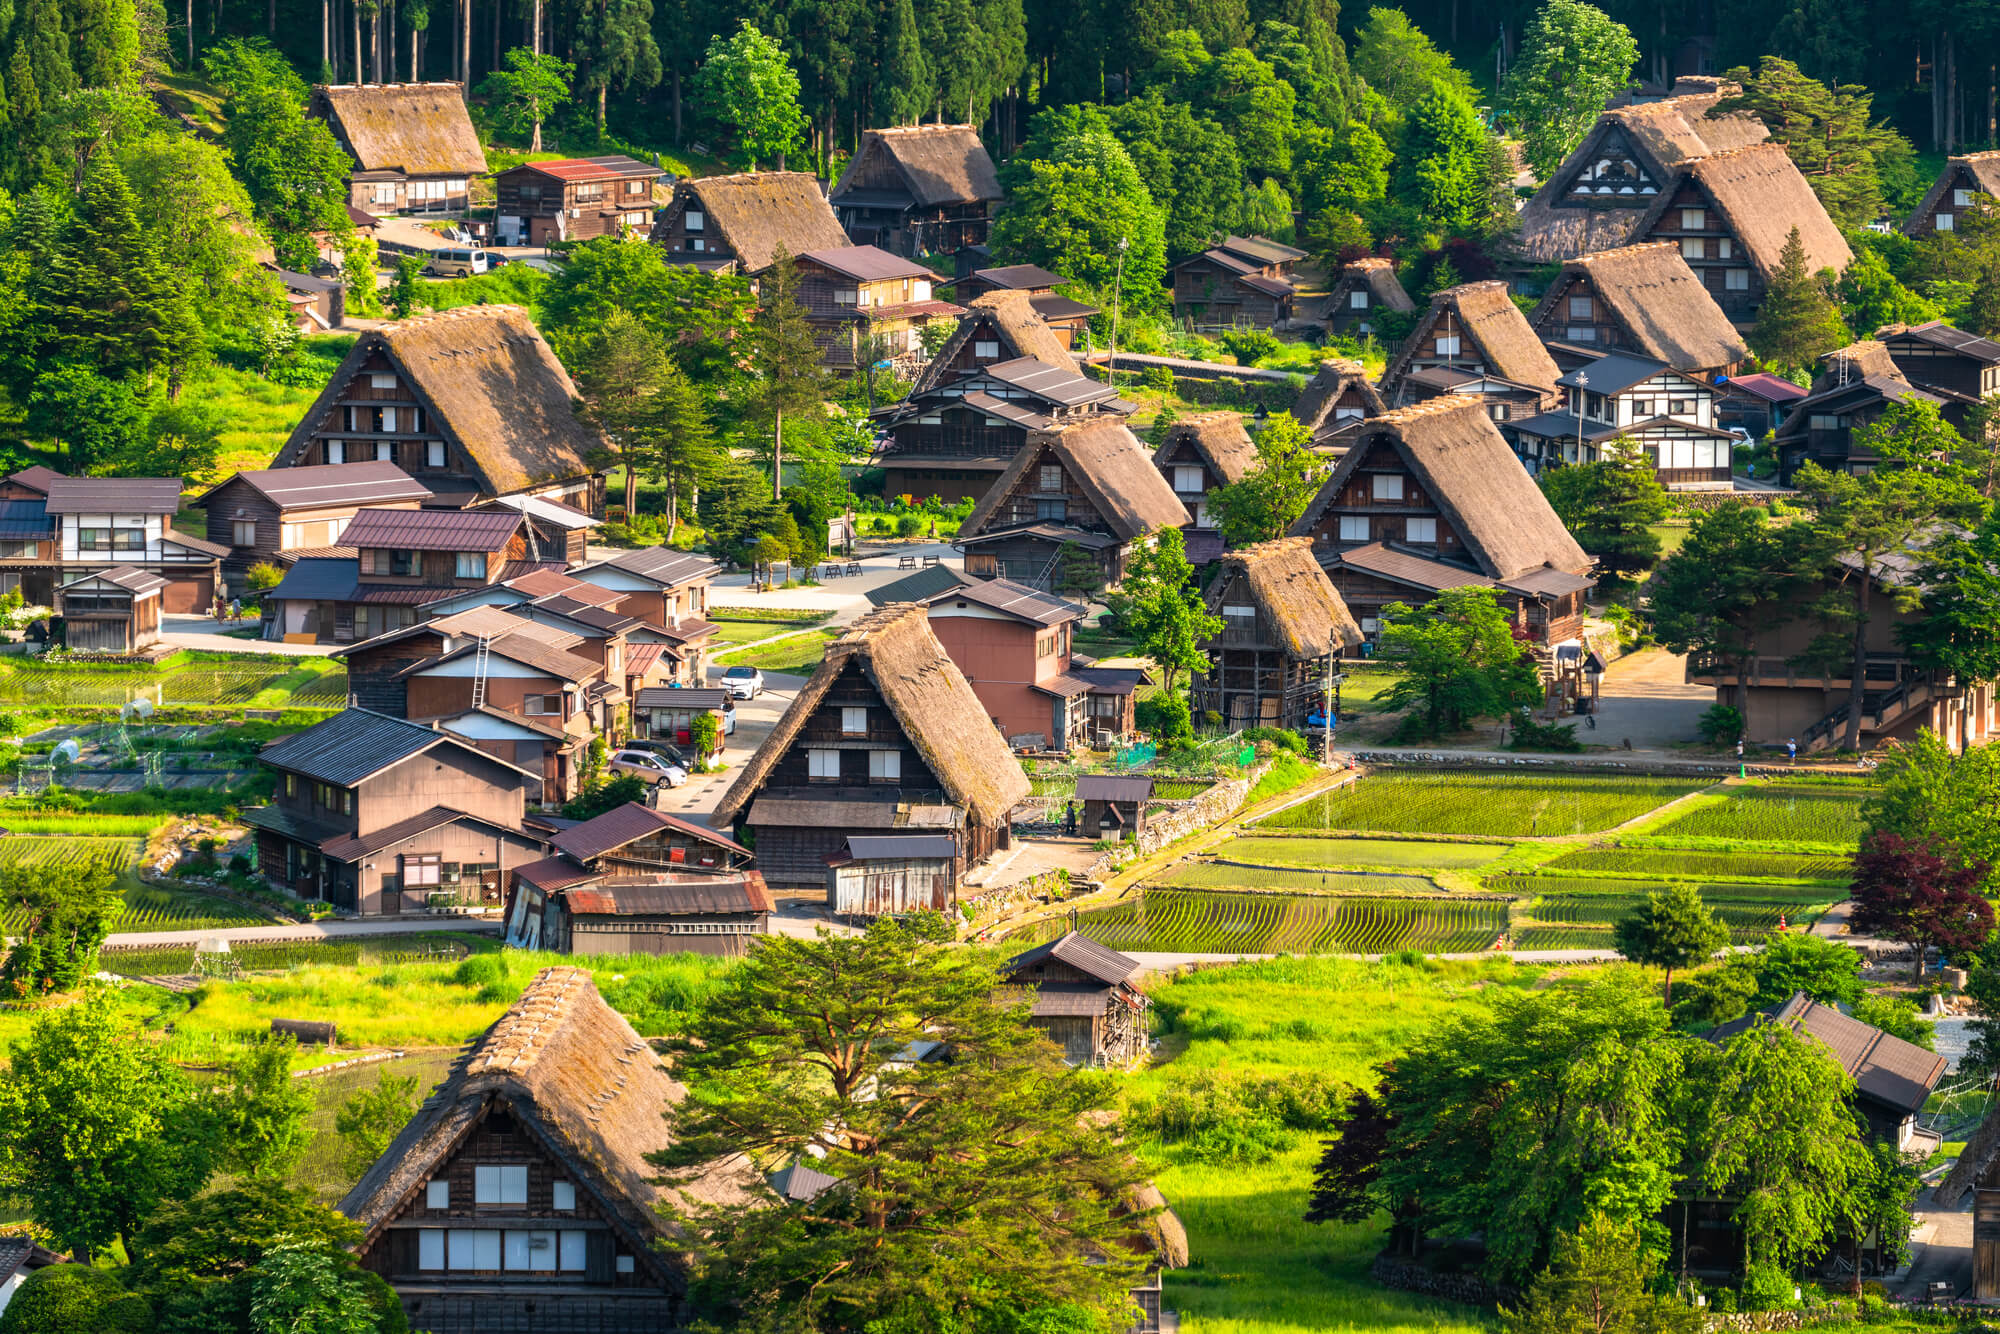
1298,610
1855,385
1473,327
1282,623
1959,187
551,1114
413,144
1335,400
1104,481
744,220
1598,198
997,326
1761,197
916,189
1201,453
932,763
1365,290
1643,299
495,411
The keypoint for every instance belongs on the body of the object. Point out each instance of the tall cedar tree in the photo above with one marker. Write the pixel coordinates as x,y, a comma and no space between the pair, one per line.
1924,894
1603,1279
615,45
1953,628
621,367
1442,172
1672,929
786,357
1735,578
1161,605
977,1180
1610,507
119,308
1917,488
1798,323
1574,57
1460,661
1276,489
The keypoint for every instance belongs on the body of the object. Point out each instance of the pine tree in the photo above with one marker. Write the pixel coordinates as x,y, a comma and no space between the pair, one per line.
24,112
1610,507
786,356
1600,1281
117,305
1982,313
41,34
1799,322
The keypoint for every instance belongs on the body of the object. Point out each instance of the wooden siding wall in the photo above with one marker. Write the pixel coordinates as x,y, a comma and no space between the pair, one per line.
1386,518
822,731
1741,304
374,675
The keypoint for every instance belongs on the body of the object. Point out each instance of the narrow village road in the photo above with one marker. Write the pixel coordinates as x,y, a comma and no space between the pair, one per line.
332,929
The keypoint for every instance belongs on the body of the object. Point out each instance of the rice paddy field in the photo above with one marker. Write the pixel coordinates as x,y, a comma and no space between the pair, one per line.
211,680
1825,814
147,907
1178,921
1302,879
1680,864
1258,849
1496,805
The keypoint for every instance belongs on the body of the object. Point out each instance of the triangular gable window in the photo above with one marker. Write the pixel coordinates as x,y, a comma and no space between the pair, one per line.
1610,174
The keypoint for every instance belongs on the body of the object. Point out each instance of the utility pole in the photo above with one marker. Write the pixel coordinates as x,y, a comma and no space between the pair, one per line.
1117,305
1582,381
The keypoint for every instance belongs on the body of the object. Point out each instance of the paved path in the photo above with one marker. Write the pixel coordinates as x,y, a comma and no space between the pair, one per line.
1645,698
1940,1249
200,632
331,929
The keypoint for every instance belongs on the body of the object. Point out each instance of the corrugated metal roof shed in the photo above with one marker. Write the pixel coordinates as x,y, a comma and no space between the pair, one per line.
627,824
1114,787
351,746
327,485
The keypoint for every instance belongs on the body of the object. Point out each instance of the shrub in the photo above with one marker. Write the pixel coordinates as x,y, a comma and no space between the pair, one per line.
65,1299
1249,346
1282,738
909,525
1556,737
1166,717
1159,379
1212,1117
1719,725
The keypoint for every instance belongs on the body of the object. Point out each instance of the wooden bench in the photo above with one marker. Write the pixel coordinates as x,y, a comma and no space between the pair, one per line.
930,561
906,562
854,567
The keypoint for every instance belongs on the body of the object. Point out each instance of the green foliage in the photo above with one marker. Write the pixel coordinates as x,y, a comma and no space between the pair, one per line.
371,1118
700,317
262,1111
1402,65
597,798
1798,322
746,86
1573,58
299,1285
1870,295
72,1299
1611,507
1672,929
1605,1279
1274,492
1928,793
58,916
1896,1016
293,169
1249,346
1161,607
527,93
648,408
1793,961
1074,195
402,296
1549,738
1719,725
1735,577
1827,132
1460,661
1444,169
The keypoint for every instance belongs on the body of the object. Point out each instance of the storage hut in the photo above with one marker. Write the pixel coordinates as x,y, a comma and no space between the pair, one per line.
112,611
873,875
1084,999
1114,805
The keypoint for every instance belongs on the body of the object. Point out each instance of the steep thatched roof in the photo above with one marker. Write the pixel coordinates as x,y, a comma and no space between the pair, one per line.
1663,135
1761,195
1659,301
1982,168
419,129
934,164
760,213
1011,318
1218,437
1304,611
1851,374
1973,1160
1334,378
1379,277
579,1082
1116,473
489,383
1464,464
933,703
1491,326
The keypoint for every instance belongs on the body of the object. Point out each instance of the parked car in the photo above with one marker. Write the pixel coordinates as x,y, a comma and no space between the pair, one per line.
462,263
743,682
648,767
666,750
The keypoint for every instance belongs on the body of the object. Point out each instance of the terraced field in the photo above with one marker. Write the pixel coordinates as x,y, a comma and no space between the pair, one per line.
1779,813
1190,922
1280,850
1495,805
147,907
1306,880
1680,864
276,956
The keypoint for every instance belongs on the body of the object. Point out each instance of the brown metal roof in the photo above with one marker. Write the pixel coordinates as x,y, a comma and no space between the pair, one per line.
1406,568
867,262
432,530
328,484
1079,952
362,845
555,873
627,824
114,495
1004,595
139,583
1887,1069
1114,787
671,898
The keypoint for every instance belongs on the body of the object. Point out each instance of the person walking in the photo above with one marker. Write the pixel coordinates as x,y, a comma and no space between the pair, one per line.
1792,749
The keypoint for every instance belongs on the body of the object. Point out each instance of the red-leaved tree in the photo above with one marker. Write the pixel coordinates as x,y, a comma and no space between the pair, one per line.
1916,891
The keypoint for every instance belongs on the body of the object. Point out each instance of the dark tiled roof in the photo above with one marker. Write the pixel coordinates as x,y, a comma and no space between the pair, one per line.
352,745
36,478
1046,530
114,495
628,823
1079,952
1019,277
541,583
1047,382
799,1183
1109,680
1613,373
1887,1069
1067,1000
588,614
670,697
1767,386
18,1253
175,538
876,847
327,484
1549,582
1008,410
138,582
922,586
279,820
1004,595
432,530
1406,568
1113,787
362,845
662,565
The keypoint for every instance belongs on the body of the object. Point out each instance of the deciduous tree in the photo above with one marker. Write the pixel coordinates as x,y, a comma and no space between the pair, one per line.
1159,602
1443,174
1274,492
1460,661
1928,795
1573,58
1672,929
746,85
261,1112
1073,203
1921,894
59,916
370,1118
533,87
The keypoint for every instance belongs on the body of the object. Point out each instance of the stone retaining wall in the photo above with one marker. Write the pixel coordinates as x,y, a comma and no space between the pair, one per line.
1187,817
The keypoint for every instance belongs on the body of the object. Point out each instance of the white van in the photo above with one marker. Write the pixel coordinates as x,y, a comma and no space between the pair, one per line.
462,263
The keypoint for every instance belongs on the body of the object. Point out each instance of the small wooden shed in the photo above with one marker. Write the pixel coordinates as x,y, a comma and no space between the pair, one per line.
1084,999
873,875
1114,805
111,611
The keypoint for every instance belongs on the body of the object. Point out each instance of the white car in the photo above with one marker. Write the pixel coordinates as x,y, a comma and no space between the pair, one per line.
648,767
743,682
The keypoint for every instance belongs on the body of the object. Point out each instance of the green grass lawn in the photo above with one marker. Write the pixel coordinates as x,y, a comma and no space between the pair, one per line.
257,414
729,632
798,655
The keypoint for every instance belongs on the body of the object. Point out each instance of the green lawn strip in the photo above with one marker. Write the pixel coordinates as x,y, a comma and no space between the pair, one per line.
797,653
733,632
800,614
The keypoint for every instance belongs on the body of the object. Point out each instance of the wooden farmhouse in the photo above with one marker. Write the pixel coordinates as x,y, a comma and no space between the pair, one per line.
1892,1078
1201,453
669,712
1084,999
742,223
918,190
1949,362
1015,646
316,304
956,439
1969,180
1243,282
1067,317
1619,396
1499,398
111,611
1335,401
1431,497
1114,805
1474,329
1366,290
1759,402
470,402
866,305
518,1200
373,814
1283,625
413,144
263,515
1854,387
1643,300
1599,197
54,529
887,737
994,327
876,875
574,199
1088,486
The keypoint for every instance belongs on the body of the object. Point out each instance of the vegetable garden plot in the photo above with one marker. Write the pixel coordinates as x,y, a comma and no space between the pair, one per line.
279,955
1224,875
1677,864
1778,813
1493,804
1176,921
1276,848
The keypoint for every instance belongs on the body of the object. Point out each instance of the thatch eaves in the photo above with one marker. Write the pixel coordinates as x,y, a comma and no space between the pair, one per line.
418,129
1334,378
933,703
935,164
1021,330
1761,196
1379,277
1984,169
1660,302
1304,612
1464,464
1218,437
1484,317
490,383
581,1083
760,213
1114,469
